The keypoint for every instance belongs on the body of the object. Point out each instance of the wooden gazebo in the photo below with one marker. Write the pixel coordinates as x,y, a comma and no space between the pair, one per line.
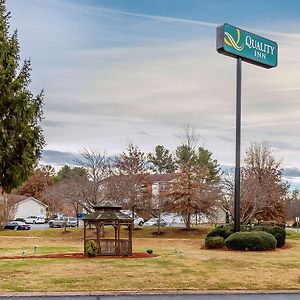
108,213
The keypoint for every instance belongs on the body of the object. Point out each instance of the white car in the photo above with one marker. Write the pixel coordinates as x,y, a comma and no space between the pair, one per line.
137,220
154,222
172,219
35,220
71,222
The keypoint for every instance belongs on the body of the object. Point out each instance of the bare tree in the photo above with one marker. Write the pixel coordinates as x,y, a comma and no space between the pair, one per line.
294,205
7,209
98,170
67,194
129,182
263,190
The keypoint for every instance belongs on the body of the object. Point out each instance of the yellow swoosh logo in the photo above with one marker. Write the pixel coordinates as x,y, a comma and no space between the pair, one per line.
231,42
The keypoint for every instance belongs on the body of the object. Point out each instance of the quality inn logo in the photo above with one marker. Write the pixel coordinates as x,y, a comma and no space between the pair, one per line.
229,40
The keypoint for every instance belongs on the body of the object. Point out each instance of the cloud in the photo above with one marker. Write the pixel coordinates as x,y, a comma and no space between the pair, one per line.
58,157
52,124
292,172
111,75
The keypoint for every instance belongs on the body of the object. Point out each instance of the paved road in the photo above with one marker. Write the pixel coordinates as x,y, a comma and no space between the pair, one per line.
166,297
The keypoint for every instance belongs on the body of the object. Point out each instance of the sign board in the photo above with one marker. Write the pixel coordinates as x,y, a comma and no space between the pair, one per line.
81,215
252,48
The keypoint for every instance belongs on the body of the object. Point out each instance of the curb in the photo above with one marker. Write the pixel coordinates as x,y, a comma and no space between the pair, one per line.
153,292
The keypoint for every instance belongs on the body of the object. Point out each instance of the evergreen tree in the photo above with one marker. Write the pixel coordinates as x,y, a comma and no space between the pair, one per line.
21,139
201,157
204,159
161,160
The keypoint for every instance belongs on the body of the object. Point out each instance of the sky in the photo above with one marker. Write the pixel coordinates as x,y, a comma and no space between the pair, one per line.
138,71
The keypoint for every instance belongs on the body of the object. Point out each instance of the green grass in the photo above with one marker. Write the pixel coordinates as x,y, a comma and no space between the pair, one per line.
140,232
40,250
292,235
196,268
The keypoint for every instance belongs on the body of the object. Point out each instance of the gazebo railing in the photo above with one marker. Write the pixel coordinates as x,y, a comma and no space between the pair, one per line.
114,247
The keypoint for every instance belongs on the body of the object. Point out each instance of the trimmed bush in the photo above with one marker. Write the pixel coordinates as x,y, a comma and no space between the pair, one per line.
222,231
278,232
253,240
91,248
214,242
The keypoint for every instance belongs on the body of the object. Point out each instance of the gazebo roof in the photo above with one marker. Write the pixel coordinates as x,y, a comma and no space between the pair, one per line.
107,210
107,204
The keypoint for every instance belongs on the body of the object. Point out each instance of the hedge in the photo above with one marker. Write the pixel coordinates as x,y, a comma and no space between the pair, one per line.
223,231
278,232
214,242
253,240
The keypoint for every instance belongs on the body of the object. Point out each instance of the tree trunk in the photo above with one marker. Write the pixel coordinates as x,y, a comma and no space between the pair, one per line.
188,221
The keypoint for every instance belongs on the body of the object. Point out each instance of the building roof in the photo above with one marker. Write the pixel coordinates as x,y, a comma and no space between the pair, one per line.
20,199
162,177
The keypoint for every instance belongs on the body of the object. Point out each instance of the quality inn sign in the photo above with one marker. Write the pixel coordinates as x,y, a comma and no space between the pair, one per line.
252,48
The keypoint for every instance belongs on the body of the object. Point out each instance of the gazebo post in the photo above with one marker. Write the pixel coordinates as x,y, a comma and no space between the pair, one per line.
84,236
118,241
130,237
98,228
116,238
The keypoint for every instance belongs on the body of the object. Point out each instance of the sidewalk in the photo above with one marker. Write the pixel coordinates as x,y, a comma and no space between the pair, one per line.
153,295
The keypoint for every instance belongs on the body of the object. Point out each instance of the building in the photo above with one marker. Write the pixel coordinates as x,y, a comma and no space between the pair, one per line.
29,206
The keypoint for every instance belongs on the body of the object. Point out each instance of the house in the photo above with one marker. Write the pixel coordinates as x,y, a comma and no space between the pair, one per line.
29,206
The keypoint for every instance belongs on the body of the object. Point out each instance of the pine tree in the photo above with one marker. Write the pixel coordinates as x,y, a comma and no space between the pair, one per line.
204,159
21,139
161,160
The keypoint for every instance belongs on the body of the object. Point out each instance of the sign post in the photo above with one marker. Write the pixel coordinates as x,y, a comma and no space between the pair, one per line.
254,49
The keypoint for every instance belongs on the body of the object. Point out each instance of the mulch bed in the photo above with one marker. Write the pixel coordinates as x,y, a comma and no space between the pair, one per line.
77,255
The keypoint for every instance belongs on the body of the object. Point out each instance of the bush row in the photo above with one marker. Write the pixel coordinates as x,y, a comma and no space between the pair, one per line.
254,240
250,237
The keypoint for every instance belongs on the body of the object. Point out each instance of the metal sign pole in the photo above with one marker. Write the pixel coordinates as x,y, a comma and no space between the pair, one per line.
237,177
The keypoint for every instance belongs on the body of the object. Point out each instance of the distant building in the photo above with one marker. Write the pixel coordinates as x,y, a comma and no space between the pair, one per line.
29,206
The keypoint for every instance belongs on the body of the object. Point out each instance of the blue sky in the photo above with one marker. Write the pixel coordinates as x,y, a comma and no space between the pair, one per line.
138,70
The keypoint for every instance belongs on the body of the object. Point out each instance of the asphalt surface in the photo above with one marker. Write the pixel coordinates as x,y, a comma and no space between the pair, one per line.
294,296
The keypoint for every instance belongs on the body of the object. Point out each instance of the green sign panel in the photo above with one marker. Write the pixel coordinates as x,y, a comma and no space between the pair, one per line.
252,48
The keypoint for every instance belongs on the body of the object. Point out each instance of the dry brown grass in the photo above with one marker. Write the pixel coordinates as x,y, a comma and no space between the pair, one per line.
193,268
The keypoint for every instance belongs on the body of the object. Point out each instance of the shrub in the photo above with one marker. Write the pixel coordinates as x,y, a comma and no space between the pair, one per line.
253,240
278,232
214,242
91,248
223,231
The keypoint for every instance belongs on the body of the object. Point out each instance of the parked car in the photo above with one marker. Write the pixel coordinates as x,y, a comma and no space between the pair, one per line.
154,222
35,220
56,223
63,221
71,222
172,219
17,225
137,220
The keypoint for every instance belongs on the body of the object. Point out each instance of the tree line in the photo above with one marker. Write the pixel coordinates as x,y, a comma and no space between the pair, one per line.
195,185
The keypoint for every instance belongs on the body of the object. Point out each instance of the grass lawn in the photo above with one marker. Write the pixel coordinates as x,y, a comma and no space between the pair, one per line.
193,268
